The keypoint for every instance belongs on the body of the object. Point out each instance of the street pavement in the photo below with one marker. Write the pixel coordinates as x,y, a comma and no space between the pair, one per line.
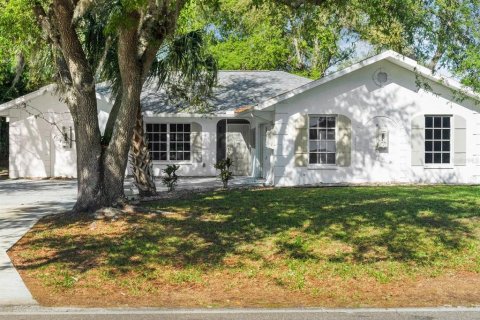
241,314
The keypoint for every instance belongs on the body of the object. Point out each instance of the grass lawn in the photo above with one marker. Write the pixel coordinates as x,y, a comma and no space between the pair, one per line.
355,246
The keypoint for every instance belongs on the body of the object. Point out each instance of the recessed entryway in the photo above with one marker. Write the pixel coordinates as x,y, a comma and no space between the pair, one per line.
234,141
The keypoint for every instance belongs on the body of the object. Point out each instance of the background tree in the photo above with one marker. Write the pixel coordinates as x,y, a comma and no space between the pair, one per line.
245,35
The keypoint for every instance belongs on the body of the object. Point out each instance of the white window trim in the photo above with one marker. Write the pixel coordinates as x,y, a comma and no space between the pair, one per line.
452,145
166,162
313,166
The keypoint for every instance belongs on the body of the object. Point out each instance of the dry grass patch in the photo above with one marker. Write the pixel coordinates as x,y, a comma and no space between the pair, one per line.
385,246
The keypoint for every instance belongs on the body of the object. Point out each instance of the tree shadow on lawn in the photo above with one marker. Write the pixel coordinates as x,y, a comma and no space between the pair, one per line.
417,225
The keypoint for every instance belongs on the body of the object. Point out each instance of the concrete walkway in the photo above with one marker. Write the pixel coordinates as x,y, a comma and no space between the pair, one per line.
24,202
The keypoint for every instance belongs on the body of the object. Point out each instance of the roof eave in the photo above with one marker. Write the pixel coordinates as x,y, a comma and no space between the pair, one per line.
27,97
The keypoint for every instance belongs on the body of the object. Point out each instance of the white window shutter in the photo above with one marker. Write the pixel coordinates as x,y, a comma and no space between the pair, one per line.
344,141
196,141
460,141
301,141
418,140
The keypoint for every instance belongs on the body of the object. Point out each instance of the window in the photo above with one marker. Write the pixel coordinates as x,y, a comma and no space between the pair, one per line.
179,142
322,143
168,142
437,139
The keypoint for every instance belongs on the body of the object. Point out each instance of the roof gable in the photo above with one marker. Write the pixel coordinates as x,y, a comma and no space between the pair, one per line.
390,56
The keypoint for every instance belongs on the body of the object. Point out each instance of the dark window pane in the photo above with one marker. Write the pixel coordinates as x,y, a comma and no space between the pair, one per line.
313,134
150,146
186,156
149,127
186,147
446,133
156,127
163,127
313,158
313,122
173,127
173,147
323,158
163,137
331,134
437,146
437,122
155,156
173,137
428,146
179,137
179,155
331,122
429,134
446,145
173,156
186,137
186,127
163,147
179,127
445,157
322,122
446,122
163,156
150,137
330,158
156,137
155,147
313,146
437,133
428,158
428,122
437,158
179,146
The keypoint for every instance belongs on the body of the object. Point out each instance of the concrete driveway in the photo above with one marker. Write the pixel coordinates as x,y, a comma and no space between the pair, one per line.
22,203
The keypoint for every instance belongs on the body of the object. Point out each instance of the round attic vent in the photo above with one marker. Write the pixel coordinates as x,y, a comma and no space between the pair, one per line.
380,77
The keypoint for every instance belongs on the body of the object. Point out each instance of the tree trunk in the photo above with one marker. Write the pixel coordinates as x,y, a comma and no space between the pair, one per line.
140,160
91,192
116,155
80,96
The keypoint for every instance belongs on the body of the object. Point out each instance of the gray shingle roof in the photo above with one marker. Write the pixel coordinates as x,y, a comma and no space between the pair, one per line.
234,89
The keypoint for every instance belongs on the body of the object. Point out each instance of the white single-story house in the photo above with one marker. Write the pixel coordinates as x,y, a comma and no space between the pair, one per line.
386,119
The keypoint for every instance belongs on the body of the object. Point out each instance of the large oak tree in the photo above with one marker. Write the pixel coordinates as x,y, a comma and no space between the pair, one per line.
138,29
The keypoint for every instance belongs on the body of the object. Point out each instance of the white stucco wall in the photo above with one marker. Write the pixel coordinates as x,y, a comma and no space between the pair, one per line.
358,97
36,145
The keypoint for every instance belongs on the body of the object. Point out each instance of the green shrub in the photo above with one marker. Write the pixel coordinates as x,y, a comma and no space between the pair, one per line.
225,173
171,178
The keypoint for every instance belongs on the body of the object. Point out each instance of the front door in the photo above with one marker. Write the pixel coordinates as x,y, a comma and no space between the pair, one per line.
238,148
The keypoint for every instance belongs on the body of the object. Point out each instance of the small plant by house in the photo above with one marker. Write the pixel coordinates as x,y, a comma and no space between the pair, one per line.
225,173
171,178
